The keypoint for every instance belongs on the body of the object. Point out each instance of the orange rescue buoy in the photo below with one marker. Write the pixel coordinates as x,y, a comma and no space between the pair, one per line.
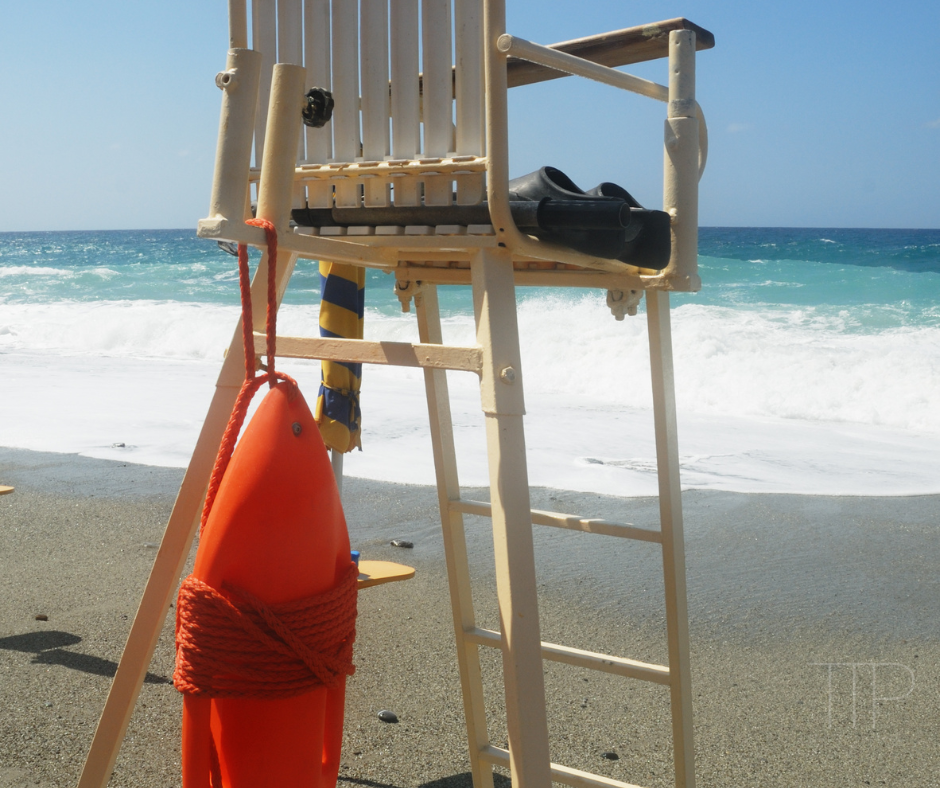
265,623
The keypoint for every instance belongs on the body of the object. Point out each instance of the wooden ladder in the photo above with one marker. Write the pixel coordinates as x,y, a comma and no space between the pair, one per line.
515,570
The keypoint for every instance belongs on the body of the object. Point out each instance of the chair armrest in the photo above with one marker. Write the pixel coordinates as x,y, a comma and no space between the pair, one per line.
617,48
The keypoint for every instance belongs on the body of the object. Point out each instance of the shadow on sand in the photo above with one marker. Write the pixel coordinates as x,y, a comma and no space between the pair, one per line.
49,649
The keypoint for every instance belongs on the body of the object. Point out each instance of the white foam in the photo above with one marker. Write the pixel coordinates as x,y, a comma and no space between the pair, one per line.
33,270
794,401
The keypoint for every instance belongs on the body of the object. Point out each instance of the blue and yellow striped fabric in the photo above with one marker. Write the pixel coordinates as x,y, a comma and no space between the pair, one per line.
342,299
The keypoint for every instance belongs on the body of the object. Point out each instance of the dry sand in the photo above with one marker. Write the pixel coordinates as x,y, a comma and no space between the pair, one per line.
780,589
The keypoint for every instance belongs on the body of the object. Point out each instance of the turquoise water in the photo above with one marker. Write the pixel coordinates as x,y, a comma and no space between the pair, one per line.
885,278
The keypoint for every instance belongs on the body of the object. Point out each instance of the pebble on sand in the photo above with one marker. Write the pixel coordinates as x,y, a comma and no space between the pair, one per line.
41,617
610,755
402,543
388,716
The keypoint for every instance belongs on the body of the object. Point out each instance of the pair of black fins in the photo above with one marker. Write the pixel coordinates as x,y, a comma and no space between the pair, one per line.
604,222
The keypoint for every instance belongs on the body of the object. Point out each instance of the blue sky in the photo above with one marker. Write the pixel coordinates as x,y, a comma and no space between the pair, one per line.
820,113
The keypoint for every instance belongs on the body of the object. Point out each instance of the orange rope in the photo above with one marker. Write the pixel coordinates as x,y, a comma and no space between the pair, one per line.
252,380
229,643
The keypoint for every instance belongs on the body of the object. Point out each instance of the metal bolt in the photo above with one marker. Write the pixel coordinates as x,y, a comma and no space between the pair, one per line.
507,375
297,428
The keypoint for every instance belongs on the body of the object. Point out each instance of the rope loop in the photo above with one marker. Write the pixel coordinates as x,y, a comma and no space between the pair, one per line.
253,380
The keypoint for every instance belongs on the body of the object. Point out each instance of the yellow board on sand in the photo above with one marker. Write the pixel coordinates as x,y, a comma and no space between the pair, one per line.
5,490
374,573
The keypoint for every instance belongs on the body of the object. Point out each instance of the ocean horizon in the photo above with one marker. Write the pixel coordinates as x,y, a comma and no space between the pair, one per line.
809,363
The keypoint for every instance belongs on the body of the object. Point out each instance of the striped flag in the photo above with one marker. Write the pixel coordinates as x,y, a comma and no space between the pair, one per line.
342,298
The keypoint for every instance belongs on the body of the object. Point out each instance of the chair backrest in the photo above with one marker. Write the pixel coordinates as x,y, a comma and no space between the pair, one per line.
407,82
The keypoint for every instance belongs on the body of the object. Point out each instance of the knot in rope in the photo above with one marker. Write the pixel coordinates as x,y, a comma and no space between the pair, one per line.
231,644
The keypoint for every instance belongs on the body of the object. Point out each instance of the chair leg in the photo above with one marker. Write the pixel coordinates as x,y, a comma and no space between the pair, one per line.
670,511
455,544
501,394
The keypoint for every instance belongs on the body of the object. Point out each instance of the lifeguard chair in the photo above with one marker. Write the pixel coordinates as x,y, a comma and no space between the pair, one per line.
411,175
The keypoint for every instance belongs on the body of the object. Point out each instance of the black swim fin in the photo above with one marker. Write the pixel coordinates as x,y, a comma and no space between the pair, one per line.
644,242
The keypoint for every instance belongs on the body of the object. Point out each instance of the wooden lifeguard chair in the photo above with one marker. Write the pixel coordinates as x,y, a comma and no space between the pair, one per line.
373,155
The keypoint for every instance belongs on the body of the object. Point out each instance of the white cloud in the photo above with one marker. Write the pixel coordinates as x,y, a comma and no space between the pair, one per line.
737,128
933,124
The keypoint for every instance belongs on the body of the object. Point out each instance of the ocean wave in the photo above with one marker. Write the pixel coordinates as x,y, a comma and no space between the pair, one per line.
33,270
805,363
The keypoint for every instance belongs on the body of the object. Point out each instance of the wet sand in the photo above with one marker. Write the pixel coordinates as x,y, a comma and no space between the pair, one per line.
793,601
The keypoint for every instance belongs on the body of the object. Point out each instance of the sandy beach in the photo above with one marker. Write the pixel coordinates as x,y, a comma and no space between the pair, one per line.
815,630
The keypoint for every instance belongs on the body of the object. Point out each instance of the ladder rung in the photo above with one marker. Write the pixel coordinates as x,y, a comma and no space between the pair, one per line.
399,354
570,521
561,774
591,660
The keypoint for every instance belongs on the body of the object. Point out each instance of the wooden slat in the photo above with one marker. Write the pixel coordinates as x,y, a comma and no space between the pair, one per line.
290,43
468,90
317,63
437,107
570,521
376,573
560,774
398,354
616,48
373,50
591,660
263,39
345,122
406,119
524,277
290,32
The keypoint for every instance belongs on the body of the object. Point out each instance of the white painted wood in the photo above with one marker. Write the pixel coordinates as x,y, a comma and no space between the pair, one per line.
290,39
263,40
670,511
399,354
503,406
375,99
346,139
571,64
571,522
455,543
276,187
394,167
237,25
590,660
319,142
470,134
405,99
437,94
560,774
681,160
236,129
290,32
